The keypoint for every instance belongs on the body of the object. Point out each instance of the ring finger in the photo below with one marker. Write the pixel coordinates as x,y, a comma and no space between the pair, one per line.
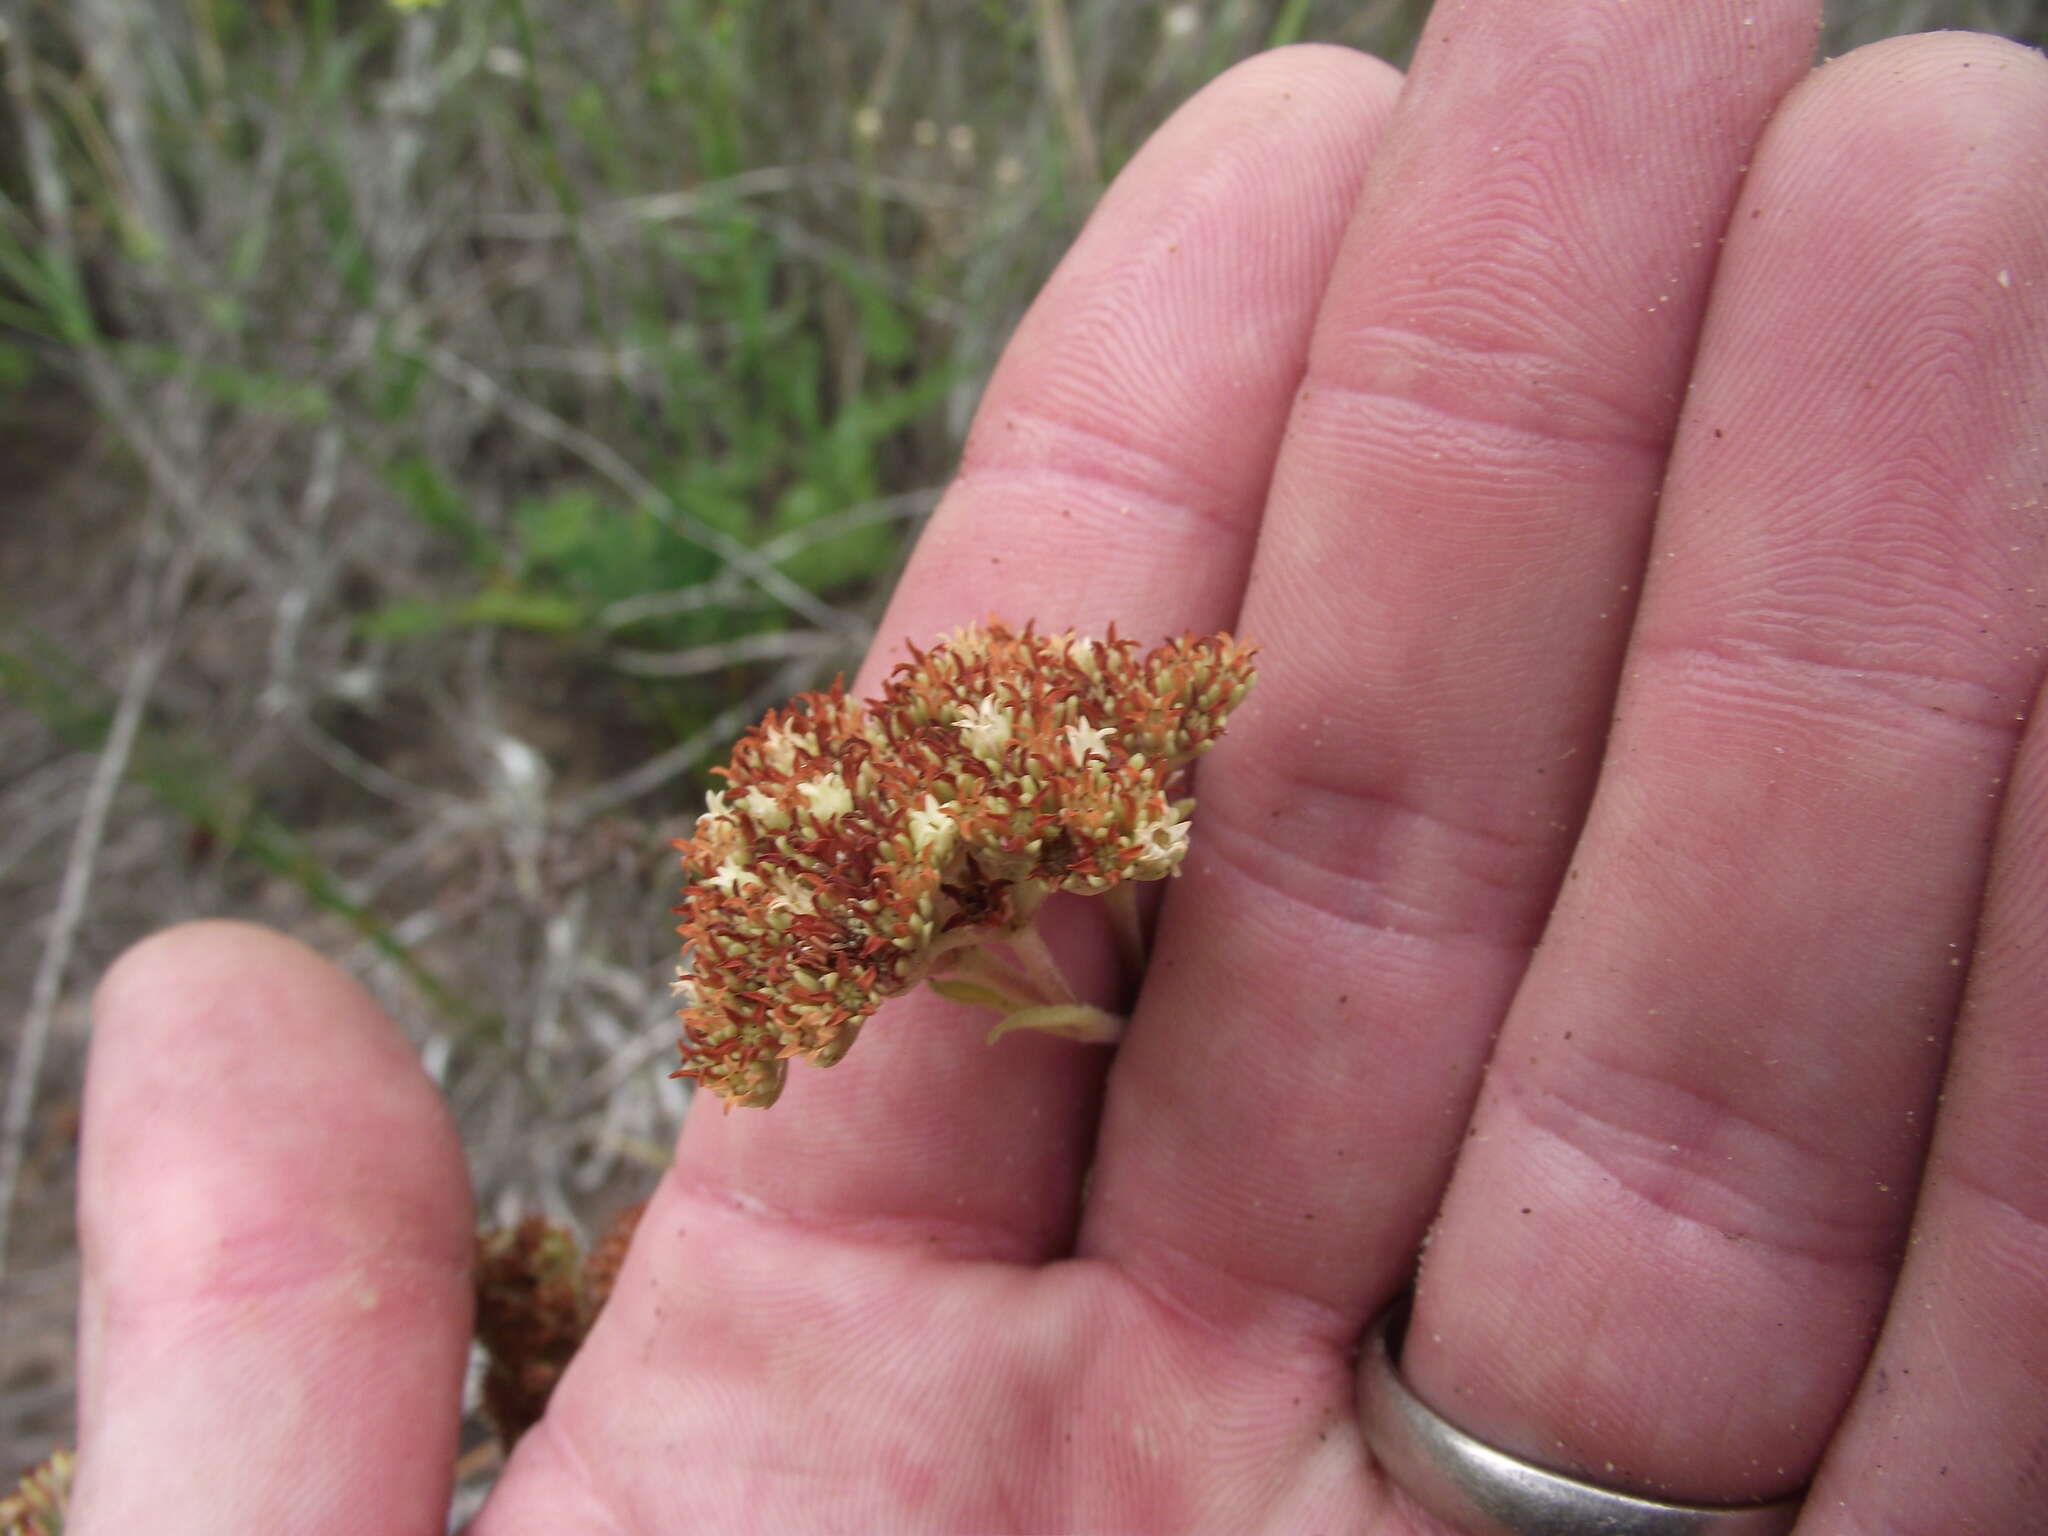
1673,1234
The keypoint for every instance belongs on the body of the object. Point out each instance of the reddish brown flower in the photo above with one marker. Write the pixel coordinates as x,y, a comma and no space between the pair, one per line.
859,849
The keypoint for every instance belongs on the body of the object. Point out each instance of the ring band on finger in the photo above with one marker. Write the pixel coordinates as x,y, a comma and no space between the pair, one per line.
1478,1490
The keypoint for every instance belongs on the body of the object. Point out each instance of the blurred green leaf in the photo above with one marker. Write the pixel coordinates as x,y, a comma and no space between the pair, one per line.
559,528
1287,26
510,608
436,501
405,619
17,366
395,376
264,394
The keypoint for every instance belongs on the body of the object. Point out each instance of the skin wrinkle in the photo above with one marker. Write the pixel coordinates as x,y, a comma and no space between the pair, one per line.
1069,442
1311,871
1440,415
213,1309
1095,365
1490,533
1061,452
1675,1171
1905,517
1743,676
2018,1207
1015,545
1159,1271
921,1239
986,1241
1965,1328
1281,1233
1946,259
1119,361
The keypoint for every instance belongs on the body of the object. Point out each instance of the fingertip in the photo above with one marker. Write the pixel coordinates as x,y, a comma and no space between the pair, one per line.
276,1229
1963,111
152,985
1314,67
224,1049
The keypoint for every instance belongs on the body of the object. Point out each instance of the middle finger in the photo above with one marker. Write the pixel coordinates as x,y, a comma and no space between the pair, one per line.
1442,587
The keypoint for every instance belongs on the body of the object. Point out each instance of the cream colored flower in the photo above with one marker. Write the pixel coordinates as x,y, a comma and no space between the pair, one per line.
986,728
731,876
932,831
1086,741
766,809
1161,846
827,796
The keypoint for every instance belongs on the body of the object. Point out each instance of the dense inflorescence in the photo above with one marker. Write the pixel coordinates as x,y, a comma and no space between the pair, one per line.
39,1501
536,1300
859,849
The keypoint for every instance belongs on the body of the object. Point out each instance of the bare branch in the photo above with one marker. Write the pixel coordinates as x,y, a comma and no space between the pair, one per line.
699,659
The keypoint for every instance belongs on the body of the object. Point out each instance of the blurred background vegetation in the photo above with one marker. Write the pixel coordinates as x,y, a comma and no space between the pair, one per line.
428,435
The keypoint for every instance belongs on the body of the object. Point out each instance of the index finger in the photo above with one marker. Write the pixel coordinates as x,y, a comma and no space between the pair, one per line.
1116,473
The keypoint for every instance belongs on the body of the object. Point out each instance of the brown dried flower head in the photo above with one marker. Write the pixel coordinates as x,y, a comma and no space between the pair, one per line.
860,849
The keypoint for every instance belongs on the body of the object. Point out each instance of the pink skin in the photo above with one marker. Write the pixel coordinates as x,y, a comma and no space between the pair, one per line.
1394,390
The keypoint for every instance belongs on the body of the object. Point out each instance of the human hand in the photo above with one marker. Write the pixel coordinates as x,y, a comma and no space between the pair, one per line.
1608,889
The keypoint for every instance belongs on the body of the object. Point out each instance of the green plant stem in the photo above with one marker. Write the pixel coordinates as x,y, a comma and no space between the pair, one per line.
1031,992
976,975
1035,962
1071,1021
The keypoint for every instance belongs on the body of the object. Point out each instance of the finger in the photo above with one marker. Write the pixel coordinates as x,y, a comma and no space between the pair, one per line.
1673,1232
1115,474
1949,1431
1458,520
276,1232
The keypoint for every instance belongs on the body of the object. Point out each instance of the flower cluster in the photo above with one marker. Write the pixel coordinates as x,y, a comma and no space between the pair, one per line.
38,1504
860,849
536,1300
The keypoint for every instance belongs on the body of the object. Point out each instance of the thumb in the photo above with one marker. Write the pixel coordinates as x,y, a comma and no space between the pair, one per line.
277,1238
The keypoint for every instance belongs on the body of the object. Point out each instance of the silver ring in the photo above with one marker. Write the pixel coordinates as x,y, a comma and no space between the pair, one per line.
1478,1490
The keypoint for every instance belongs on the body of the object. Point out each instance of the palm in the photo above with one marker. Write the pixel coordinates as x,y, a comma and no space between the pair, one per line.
1637,507
873,1385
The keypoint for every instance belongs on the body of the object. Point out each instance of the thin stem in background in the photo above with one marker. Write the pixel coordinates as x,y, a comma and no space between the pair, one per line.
1063,79
143,671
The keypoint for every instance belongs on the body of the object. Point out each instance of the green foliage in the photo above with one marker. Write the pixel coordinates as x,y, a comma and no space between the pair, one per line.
17,367
255,391
1287,26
